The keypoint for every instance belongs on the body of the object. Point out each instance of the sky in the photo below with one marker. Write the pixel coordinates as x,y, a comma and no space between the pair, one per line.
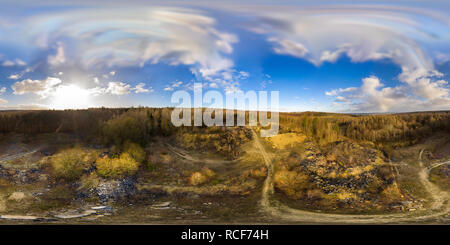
332,56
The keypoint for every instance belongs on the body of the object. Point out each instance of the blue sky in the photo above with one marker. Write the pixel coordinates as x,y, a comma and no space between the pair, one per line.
321,56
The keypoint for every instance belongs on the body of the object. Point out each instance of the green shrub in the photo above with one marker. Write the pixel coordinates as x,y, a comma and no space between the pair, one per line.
120,167
69,164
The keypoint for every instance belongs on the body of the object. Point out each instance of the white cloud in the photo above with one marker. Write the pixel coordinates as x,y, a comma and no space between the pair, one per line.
16,62
244,74
324,34
354,52
425,83
285,46
340,90
2,90
20,62
39,87
118,88
341,99
97,91
441,57
140,89
59,58
177,84
8,63
264,83
228,80
173,85
232,88
17,76
14,76
141,35
373,96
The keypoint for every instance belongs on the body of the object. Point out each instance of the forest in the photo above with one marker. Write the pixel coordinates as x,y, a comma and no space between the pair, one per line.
116,126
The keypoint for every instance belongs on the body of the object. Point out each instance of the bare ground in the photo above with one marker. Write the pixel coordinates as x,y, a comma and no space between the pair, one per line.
439,206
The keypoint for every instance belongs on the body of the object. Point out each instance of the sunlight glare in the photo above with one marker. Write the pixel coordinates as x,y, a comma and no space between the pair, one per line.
70,97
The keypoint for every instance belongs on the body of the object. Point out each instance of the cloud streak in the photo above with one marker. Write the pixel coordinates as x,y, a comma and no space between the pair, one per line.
118,37
365,33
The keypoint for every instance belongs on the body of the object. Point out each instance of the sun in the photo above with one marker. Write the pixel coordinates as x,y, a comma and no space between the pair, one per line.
70,97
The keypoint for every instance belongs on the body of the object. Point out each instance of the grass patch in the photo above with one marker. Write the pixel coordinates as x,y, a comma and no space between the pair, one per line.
283,141
120,167
69,164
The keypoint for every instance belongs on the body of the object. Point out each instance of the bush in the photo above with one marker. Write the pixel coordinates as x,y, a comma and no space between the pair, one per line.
198,178
292,183
89,181
69,164
120,167
135,151
258,173
391,194
208,173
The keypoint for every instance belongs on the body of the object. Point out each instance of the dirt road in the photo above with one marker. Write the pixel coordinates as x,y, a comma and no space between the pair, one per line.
439,206
185,155
6,158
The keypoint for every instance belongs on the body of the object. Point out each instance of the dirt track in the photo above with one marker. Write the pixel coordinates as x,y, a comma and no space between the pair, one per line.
6,158
439,205
185,155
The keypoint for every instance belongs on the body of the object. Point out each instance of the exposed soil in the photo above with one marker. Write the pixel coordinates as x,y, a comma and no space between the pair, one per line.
439,206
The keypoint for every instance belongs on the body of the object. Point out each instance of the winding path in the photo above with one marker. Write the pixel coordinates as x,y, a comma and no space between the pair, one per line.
437,165
6,158
185,155
439,205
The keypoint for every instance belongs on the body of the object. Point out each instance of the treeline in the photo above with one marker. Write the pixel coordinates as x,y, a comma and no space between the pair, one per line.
82,122
389,128
105,124
116,126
